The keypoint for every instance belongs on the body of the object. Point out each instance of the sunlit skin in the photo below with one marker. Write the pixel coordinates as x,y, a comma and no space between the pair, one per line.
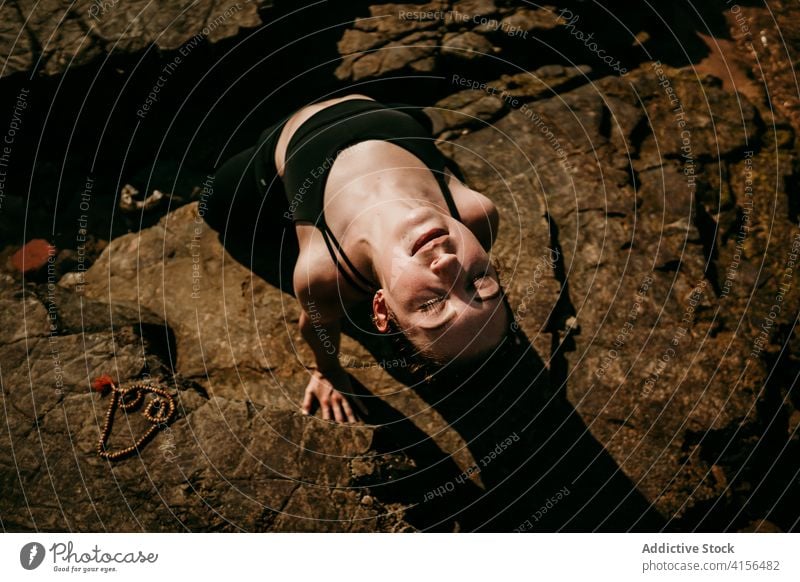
379,201
446,296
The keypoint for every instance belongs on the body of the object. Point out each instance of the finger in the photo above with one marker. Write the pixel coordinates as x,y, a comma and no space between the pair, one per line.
326,409
308,400
337,410
348,411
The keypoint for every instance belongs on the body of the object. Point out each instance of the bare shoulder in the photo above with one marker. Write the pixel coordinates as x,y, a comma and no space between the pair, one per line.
478,213
316,280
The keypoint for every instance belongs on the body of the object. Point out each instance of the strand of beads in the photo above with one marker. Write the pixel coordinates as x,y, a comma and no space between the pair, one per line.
159,411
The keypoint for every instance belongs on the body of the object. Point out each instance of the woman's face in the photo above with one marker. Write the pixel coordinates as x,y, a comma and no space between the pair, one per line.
439,282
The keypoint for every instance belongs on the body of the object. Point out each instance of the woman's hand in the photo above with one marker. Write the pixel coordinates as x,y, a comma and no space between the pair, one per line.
327,389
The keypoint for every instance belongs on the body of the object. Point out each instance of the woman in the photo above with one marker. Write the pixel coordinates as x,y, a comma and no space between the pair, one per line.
378,216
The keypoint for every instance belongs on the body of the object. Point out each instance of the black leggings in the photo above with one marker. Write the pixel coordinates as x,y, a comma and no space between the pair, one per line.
248,199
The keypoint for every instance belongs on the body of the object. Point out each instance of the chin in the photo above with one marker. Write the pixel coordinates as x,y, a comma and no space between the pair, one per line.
418,216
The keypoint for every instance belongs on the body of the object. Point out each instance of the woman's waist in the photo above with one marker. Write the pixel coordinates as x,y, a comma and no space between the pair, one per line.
371,148
347,122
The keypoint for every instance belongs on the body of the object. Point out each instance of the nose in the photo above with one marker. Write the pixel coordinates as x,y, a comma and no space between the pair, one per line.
445,265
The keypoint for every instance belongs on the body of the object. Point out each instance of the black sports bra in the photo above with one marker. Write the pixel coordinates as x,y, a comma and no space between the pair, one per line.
317,142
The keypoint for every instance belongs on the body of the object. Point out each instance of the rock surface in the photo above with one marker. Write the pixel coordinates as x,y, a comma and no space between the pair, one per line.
224,464
648,247
51,37
661,262
422,38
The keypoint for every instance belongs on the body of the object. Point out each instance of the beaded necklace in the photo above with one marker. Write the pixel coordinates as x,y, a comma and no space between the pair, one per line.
159,412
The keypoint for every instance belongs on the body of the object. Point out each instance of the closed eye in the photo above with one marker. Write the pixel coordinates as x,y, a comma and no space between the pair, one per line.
476,281
486,287
433,305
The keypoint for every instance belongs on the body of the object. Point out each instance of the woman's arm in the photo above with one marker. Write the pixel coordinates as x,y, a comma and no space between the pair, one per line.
478,213
329,380
320,327
322,336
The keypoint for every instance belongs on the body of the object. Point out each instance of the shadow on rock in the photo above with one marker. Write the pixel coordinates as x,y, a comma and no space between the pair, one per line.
537,466
541,468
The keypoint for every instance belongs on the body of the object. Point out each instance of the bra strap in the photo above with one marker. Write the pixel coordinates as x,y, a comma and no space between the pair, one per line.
363,284
441,178
417,113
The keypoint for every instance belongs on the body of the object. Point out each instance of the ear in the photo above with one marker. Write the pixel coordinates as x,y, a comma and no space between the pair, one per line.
380,311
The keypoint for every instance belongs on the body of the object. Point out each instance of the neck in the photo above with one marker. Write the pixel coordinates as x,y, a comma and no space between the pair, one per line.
384,208
389,235
384,229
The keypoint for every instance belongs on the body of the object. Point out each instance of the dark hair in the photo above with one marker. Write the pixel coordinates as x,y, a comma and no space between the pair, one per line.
424,364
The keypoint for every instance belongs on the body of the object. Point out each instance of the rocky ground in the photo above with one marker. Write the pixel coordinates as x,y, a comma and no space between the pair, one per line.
649,247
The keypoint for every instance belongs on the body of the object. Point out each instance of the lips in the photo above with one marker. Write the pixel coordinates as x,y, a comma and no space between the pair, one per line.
427,237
